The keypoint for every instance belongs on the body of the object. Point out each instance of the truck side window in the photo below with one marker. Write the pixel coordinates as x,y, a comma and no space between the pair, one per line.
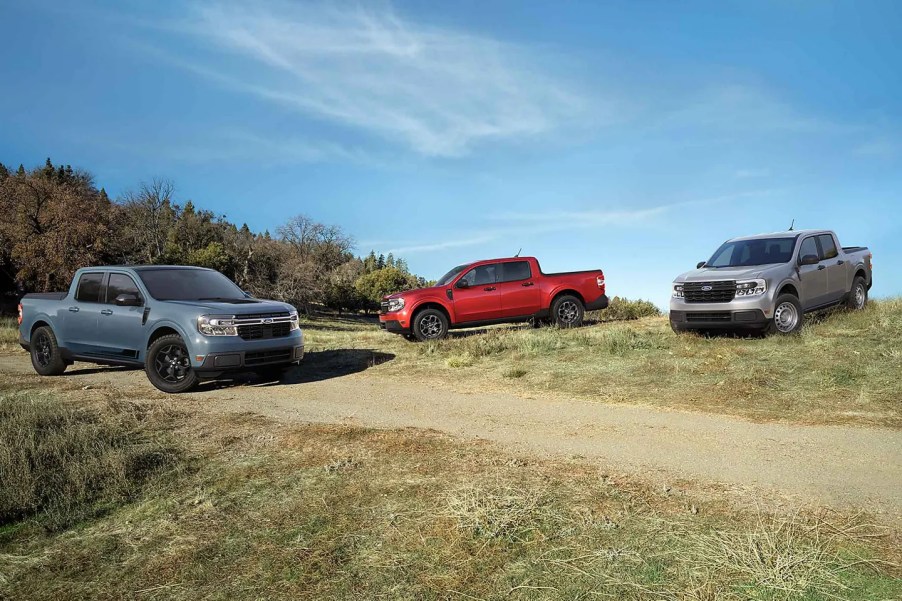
809,247
89,288
479,276
515,271
120,284
828,247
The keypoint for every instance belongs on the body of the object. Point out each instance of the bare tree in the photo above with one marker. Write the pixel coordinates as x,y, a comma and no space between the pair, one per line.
150,215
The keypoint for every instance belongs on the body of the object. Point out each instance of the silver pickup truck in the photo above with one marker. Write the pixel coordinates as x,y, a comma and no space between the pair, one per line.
768,282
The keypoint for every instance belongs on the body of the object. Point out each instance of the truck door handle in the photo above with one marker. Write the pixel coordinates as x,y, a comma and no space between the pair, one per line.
819,267
106,312
527,284
840,262
489,288
73,309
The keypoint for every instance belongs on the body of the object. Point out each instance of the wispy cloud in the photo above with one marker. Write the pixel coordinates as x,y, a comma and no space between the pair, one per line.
437,246
437,90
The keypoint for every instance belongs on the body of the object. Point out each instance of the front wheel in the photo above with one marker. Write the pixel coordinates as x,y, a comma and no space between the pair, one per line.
45,353
788,315
168,365
858,296
430,324
567,311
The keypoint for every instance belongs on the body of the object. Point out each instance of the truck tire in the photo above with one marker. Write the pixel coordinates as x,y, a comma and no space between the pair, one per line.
567,311
430,324
168,365
858,296
46,357
788,315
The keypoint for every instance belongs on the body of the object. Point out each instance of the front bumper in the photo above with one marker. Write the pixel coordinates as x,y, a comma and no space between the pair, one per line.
217,354
698,320
218,363
392,325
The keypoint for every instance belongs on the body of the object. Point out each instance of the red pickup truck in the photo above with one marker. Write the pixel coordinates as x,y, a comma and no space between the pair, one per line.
494,291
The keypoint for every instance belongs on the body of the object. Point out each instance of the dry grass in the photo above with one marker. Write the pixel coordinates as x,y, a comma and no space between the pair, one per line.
842,368
330,512
9,334
64,464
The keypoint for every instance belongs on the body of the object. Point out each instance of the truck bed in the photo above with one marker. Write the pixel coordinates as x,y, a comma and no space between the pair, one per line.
853,249
56,296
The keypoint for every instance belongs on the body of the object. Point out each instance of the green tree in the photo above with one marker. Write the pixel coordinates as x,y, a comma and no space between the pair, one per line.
373,286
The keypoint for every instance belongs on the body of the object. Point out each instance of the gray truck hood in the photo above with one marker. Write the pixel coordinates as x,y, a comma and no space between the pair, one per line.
243,308
709,274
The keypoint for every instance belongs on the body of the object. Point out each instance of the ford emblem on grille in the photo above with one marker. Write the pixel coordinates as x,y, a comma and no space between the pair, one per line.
707,288
269,320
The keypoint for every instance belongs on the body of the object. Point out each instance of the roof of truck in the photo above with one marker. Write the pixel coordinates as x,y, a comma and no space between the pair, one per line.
786,234
145,267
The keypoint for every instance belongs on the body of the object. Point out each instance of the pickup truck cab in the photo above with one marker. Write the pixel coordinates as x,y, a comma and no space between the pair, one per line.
770,281
493,291
182,324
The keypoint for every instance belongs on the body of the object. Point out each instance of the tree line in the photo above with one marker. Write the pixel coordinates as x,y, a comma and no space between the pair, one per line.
54,220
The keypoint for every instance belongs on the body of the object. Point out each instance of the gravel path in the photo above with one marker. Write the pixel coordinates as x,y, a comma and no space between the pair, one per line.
838,466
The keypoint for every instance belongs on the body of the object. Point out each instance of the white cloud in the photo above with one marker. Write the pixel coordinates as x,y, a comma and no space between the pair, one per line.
432,247
437,90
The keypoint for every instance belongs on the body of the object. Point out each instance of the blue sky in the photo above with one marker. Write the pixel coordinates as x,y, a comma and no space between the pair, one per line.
631,136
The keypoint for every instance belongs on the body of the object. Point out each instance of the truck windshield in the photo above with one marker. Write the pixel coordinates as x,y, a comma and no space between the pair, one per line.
446,279
748,253
190,285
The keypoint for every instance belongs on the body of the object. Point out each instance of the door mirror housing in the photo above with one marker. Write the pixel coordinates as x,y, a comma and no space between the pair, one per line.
128,300
700,264
463,284
809,260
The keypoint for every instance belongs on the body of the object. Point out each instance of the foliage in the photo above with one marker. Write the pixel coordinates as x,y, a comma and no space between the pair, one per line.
54,220
374,285
624,309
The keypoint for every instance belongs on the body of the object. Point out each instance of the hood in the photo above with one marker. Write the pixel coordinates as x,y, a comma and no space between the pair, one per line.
416,292
249,307
709,274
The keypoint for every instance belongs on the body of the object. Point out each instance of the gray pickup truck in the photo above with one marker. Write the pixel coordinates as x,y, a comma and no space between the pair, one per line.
768,282
181,324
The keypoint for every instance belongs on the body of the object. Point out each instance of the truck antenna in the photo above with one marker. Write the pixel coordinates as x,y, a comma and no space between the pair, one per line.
518,252
792,225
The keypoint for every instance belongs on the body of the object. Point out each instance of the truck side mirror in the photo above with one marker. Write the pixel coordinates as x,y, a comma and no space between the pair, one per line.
809,260
700,264
463,284
128,300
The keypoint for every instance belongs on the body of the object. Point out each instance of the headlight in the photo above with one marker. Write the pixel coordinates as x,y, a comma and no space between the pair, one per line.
295,321
751,287
395,304
677,291
214,325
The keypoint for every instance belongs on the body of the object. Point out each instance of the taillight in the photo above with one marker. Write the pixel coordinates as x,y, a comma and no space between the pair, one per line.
600,281
20,313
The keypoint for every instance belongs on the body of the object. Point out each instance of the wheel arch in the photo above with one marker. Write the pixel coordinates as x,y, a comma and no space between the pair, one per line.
165,329
559,293
429,304
788,288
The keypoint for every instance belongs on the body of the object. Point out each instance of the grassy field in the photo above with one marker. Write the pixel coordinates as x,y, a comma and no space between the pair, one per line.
244,508
9,334
843,368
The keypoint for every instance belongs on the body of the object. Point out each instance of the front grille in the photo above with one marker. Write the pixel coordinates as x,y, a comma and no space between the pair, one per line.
264,331
251,359
709,292
712,316
263,315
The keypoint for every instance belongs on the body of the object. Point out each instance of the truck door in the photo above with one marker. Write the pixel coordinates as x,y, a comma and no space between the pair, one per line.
838,281
121,327
813,277
80,317
519,294
478,299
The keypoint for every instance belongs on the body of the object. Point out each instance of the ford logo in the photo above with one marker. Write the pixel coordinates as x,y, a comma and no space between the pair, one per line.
707,288
267,320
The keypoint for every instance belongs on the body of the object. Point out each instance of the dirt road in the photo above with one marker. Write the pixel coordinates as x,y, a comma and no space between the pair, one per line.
836,466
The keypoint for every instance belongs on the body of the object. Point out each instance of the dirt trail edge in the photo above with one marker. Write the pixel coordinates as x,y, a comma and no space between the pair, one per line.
838,466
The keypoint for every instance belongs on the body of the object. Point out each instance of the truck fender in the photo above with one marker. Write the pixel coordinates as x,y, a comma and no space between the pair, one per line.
434,300
30,324
170,325
793,283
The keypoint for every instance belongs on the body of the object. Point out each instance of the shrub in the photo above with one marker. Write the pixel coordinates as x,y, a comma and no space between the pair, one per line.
63,464
623,309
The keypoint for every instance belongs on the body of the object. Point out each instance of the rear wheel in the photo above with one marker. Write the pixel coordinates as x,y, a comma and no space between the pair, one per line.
45,353
788,316
567,311
430,324
858,296
168,365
